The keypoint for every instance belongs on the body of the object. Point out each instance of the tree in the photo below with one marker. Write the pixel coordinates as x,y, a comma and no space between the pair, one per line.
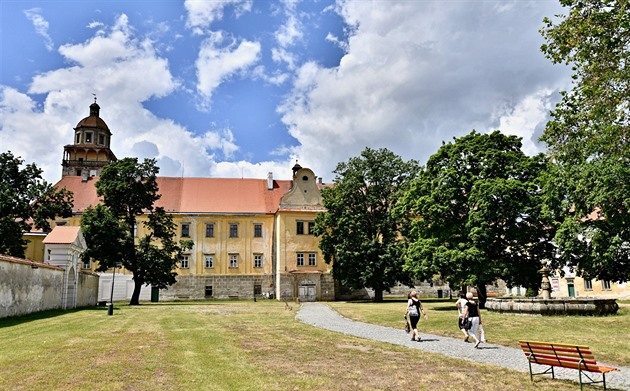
26,202
476,214
588,137
359,233
129,190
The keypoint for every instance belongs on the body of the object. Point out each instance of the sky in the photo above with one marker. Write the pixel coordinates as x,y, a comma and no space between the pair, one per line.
231,88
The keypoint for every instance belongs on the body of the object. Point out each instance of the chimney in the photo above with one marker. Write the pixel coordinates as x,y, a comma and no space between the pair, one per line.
270,181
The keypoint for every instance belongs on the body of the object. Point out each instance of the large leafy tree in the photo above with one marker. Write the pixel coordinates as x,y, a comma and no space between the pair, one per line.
129,190
589,137
475,214
359,231
26,202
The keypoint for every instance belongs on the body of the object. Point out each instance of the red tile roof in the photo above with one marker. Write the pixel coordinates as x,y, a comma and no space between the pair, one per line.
195,195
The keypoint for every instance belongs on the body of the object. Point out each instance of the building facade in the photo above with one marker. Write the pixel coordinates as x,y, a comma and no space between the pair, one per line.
252,237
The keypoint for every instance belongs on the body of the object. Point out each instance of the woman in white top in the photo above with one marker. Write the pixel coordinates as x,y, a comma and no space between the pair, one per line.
461,306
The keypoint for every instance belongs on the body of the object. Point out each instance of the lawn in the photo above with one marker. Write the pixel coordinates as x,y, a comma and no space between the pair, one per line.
607,335
229,345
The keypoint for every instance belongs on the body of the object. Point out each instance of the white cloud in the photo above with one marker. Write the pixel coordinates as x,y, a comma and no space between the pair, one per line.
202,13
418,73
123,71
525,118
41,26
217,63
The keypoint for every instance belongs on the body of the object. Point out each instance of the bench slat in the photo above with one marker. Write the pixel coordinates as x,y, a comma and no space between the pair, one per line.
535,357
560,351
586,357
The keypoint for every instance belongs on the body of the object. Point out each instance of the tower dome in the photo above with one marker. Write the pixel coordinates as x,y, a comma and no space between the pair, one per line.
91,149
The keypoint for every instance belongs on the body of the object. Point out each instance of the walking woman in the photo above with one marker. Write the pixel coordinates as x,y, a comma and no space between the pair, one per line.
414,307
461,307
472,312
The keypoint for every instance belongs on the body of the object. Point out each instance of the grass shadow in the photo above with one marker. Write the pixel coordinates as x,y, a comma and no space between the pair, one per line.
21,319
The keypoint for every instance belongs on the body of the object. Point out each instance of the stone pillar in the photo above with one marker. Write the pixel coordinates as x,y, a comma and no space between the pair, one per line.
546,285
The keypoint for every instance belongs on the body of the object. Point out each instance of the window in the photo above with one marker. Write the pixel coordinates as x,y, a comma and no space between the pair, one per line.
208,290
183,262
77,138
257,260
210,230
310,225
87,264
101,139
312,259
88,137
135,230
257,289
606,285
588,285
234,230
300,259
258,230
209,261
185,230
233,260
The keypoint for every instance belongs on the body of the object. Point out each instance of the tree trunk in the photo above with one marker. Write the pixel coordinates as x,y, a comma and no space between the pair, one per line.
482,295
378,295
137,287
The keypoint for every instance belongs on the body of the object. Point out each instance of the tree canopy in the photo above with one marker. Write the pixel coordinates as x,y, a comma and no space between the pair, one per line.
588,137
26,202
359,231
129,190
475,214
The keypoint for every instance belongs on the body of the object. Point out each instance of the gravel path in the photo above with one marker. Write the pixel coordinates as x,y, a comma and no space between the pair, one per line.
321,315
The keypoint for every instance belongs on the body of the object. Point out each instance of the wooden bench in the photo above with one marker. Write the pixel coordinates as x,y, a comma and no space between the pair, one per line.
566,356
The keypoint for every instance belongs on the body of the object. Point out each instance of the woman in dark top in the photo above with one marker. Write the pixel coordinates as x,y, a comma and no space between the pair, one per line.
471,312
414,307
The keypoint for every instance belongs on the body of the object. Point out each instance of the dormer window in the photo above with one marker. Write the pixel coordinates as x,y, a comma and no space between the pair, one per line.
88,137
305,178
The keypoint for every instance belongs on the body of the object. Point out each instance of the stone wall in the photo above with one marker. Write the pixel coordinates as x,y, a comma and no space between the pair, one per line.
87,289
27,287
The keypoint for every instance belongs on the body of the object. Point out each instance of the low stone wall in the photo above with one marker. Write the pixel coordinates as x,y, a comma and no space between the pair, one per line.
567,306
87,289
27,287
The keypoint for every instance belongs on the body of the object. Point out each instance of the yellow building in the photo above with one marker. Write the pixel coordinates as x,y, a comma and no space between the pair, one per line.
252,237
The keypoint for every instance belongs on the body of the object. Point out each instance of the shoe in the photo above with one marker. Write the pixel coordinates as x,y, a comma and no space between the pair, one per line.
477,344
466,339
413,338
419,339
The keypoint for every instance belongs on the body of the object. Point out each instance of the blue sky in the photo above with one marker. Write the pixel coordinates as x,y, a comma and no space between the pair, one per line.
241,88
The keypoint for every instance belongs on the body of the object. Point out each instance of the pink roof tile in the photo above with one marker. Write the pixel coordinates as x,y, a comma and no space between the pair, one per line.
62,235
195,195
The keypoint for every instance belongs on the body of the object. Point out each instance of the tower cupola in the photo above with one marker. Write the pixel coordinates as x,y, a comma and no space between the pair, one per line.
91,149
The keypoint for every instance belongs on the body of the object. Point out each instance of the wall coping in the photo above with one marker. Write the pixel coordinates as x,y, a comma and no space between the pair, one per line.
23,261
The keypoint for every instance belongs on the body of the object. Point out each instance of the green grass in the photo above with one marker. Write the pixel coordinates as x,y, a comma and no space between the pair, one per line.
607,335
231,345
